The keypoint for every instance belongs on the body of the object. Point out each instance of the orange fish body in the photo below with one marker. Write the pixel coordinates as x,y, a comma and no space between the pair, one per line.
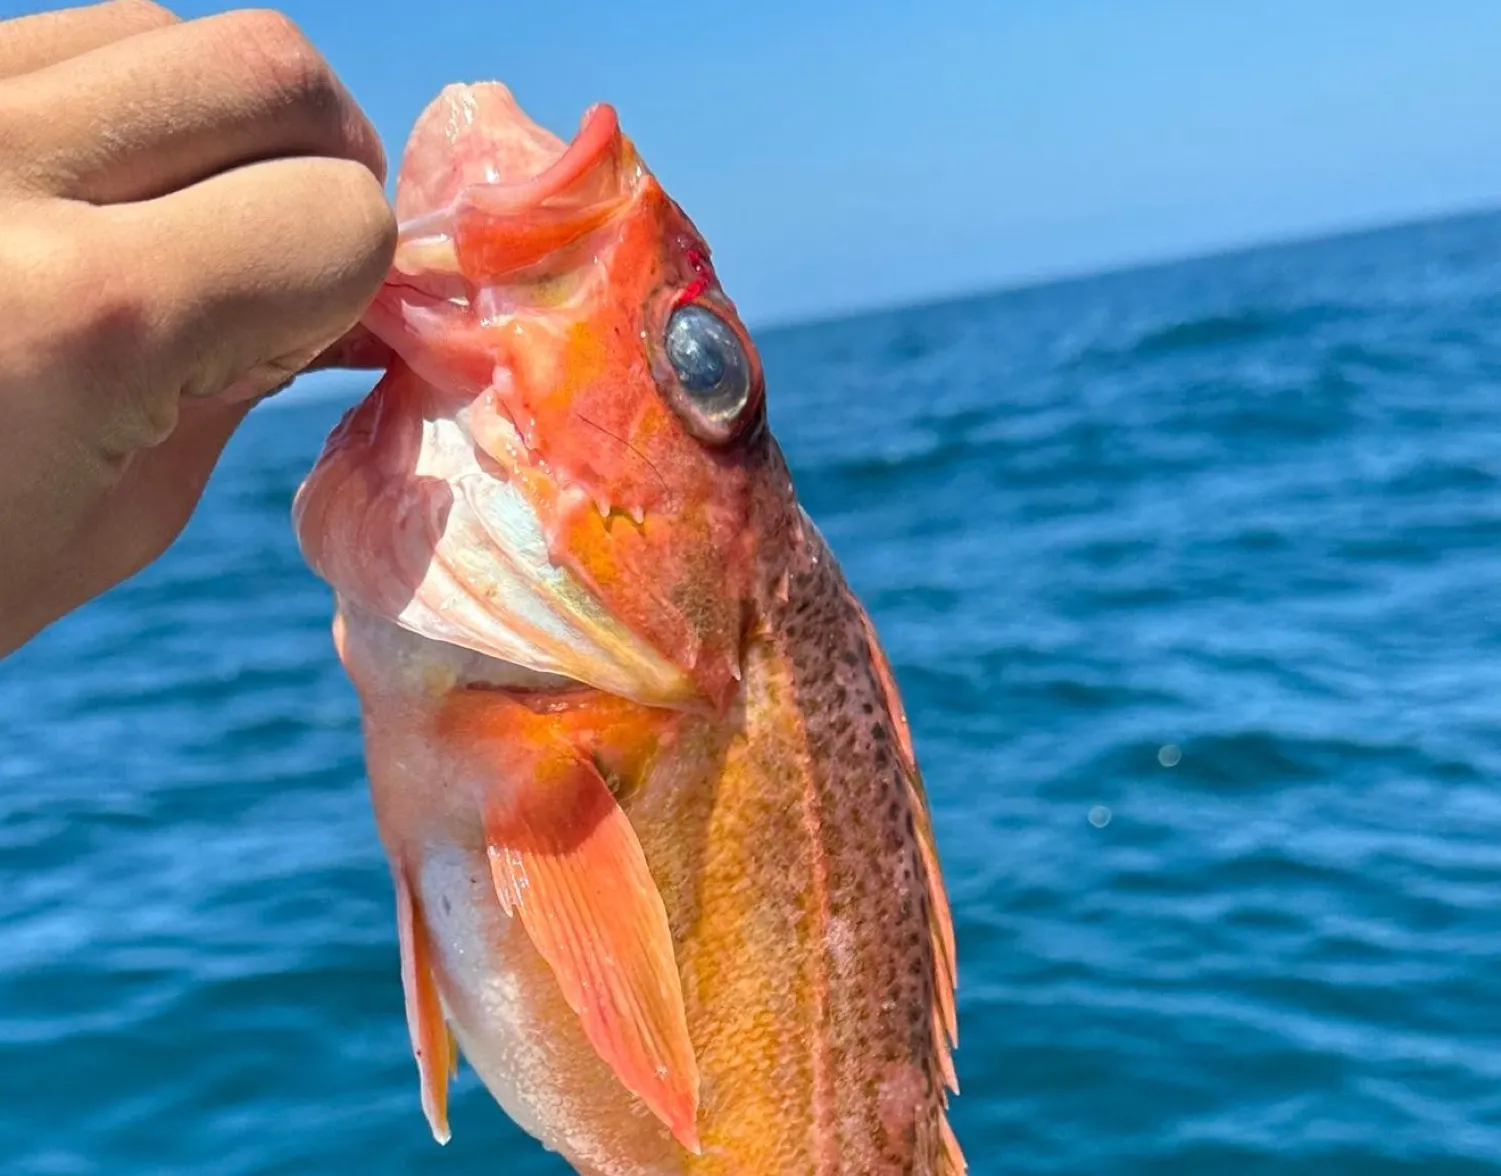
663,864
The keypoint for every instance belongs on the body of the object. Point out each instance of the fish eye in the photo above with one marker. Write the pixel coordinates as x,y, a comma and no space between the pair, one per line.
713,372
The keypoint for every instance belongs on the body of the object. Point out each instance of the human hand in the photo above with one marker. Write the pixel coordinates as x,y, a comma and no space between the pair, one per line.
190,214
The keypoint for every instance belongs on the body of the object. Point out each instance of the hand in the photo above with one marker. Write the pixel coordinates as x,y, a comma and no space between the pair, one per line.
190,214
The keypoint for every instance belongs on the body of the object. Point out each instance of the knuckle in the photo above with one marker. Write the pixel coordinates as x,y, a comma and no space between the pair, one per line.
277,50
142,418
267,28
143,414
140,15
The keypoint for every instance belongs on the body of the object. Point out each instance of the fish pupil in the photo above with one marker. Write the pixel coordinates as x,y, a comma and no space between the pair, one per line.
706,355
699,364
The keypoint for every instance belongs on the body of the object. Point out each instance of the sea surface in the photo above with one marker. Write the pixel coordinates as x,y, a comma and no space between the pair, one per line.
1190,577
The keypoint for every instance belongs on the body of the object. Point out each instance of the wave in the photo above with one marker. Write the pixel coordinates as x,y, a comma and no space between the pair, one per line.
1209,332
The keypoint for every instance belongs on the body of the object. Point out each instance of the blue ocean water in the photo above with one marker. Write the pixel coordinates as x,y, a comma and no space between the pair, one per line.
1189,576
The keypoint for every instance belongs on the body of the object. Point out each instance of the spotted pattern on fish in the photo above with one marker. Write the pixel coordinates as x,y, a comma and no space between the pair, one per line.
885,919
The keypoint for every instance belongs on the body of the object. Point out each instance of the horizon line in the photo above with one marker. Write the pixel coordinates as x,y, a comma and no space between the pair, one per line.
1045,280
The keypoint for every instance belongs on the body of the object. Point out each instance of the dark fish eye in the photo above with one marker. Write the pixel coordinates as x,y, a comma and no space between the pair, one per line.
711,366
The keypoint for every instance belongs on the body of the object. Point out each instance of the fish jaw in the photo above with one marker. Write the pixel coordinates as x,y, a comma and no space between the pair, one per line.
401,519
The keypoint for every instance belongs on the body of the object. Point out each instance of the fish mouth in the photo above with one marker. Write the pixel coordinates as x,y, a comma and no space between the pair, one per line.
437,534
516,192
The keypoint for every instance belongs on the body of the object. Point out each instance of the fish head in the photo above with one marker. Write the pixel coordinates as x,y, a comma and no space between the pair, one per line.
575,380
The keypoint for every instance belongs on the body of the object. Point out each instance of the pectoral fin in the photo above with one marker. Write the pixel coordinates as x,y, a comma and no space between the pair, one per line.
567,862
432,1043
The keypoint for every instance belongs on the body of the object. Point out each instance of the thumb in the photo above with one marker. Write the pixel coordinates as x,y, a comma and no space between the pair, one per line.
357,350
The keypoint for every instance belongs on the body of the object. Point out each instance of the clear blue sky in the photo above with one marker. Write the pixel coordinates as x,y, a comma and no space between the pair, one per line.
846,154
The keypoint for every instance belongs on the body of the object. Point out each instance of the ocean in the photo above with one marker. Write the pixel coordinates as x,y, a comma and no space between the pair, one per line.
1190,580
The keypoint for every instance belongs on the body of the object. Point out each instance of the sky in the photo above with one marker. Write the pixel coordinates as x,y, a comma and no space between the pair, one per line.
848,155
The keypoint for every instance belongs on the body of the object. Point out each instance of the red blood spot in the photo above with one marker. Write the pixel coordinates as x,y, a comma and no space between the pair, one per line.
695,288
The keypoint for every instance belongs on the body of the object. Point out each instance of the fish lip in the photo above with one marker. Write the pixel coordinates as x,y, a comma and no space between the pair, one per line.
425,242
598,132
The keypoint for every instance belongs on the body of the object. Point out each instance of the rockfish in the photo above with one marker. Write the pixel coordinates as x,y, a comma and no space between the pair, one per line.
663,864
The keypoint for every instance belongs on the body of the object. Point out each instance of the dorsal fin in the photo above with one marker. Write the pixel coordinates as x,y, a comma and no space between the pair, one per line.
940,917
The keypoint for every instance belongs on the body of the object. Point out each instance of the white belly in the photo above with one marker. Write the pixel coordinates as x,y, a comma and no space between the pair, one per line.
521,1039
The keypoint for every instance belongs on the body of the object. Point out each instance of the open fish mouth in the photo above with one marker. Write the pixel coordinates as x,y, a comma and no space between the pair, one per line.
508,204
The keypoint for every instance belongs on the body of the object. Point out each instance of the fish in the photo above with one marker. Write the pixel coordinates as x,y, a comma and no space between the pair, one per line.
664,867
